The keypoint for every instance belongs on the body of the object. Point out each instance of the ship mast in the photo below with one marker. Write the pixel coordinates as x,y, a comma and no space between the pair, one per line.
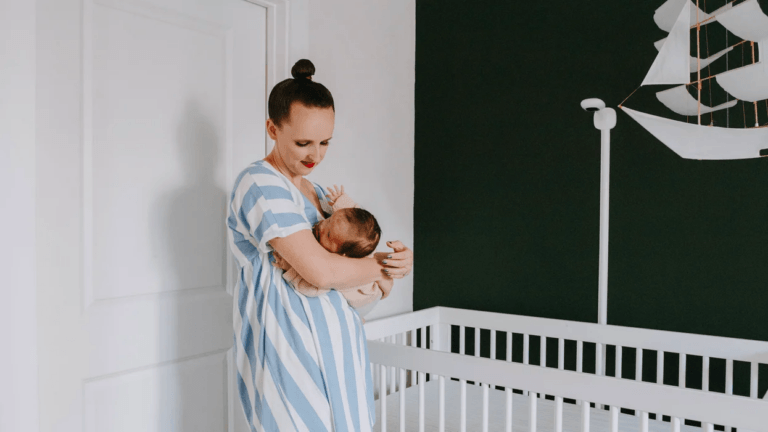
757,123
698,57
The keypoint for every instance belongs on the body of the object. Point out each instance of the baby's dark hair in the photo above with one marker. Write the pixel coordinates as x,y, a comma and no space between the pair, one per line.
367,235
300,89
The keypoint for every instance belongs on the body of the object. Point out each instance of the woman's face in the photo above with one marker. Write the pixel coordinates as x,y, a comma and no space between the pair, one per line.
302,140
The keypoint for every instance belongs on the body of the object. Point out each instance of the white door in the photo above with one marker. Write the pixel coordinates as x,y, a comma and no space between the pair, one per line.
146,109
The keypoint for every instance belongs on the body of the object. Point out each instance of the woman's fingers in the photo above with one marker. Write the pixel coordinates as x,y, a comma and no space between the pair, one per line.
397,245
399,262
396,273
400,256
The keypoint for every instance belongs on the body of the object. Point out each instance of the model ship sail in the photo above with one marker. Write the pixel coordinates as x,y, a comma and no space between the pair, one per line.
674,64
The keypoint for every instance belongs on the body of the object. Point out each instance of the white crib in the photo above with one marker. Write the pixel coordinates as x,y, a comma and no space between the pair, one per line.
420,385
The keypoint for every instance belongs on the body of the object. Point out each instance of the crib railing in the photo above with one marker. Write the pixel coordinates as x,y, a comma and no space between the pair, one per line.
398,347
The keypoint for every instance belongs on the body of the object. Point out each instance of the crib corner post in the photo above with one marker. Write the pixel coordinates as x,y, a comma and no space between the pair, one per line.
440,337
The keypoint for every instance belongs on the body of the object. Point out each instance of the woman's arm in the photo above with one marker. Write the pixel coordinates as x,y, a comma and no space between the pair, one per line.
322,268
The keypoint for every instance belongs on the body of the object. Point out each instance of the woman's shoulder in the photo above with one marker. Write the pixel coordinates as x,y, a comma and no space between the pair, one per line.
261,174
261,179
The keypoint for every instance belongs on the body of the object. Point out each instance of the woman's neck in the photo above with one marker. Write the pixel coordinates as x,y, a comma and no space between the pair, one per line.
276,161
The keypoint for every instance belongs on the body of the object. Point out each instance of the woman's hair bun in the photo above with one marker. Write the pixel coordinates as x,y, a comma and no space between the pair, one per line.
303,69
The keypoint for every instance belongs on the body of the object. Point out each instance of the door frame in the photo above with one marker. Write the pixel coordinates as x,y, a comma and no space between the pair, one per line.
18,311
280,23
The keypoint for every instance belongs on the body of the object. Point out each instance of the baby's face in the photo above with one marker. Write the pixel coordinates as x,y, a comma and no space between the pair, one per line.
331,233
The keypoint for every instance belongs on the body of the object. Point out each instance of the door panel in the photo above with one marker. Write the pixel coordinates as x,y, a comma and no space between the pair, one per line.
157,155
173,106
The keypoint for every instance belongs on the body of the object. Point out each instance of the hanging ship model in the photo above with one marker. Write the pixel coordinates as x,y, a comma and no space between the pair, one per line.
747,84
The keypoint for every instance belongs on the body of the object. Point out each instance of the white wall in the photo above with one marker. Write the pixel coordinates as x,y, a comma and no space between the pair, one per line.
365,53
18,319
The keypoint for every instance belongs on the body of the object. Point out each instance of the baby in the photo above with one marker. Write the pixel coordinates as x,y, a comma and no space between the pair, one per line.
352,232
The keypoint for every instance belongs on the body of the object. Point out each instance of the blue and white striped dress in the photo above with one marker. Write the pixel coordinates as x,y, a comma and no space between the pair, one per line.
302,362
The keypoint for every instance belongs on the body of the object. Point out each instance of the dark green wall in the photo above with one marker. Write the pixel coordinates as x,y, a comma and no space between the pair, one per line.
508,172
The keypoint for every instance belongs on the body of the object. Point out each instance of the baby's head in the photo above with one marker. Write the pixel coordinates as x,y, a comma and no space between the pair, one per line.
352,232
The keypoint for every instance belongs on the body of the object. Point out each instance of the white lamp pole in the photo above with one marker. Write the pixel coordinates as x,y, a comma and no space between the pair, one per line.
605,120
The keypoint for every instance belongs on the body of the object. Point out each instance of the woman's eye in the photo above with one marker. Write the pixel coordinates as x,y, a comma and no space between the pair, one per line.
325,143
302,144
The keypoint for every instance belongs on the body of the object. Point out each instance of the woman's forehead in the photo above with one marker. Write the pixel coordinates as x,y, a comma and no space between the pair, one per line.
310,124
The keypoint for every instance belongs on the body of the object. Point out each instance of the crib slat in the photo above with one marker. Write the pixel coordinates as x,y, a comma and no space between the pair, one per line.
526,354
441,408
383,397
532,414
709,427
423,377
462,341
561,354
543,354
638,370
643,421
614,418
705,374
493,344
617,366
509,410
414,343
558,414
485,407
729,377
579,360
579,356
675,424
598,359
402,398
463,418
753,380
477,346
392,375
659,371
508,391
683,368
584,416
660,367
377,379
604,360
477,342
526,346
422,408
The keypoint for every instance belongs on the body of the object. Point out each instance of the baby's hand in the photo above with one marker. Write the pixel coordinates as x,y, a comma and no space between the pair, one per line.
334,192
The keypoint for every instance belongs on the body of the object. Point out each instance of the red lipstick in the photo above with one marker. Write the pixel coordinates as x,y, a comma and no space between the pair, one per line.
308,165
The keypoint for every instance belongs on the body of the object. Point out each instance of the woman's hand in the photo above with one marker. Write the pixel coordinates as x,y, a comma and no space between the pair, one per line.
398,263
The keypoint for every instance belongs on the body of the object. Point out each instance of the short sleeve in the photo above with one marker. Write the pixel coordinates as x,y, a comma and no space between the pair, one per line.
324,204
265,207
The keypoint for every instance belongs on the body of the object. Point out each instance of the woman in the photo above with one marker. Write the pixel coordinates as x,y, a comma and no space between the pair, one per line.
302,361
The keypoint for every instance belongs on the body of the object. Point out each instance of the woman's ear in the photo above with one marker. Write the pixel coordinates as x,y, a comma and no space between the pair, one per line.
272,129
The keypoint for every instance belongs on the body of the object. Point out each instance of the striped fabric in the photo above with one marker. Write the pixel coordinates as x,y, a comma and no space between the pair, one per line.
302,362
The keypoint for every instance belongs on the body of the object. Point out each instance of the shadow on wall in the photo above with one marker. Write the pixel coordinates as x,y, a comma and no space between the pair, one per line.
190,238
